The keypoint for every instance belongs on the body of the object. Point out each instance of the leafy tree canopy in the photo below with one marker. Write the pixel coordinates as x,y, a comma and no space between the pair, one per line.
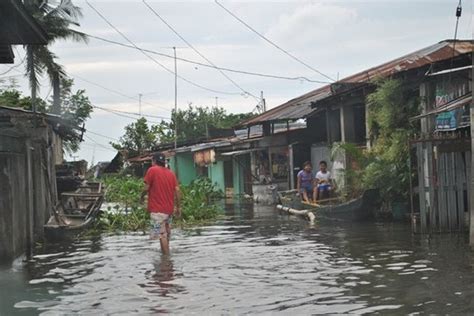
194,123
139,137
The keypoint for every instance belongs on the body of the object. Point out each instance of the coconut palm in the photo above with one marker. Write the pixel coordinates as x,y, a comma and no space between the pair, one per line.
56,18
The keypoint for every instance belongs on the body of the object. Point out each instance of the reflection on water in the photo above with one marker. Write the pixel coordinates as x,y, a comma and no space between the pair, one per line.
253,261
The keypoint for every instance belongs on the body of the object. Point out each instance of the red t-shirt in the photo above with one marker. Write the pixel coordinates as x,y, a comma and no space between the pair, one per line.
162,183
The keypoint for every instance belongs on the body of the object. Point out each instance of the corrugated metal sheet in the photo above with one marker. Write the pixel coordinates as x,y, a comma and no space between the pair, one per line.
300,107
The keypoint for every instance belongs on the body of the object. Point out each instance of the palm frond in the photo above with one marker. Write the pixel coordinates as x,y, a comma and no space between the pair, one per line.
34,67
47,58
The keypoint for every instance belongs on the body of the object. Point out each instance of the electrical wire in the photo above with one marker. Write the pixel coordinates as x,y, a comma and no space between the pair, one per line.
14,66
153,59
272,43
244,72
99,144
115,91
197,51
101,135
118,113
133,113
94,145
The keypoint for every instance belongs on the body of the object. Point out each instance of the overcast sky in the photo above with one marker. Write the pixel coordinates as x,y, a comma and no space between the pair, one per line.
338,38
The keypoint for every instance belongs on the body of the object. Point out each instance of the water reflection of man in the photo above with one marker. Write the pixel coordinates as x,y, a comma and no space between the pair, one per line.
164,273
163,199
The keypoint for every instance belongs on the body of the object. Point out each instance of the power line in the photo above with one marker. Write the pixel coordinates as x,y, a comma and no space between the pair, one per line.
196,50
132,113
14,66
118,113
99,144
104,136
153,59
244,72
115,91
94,145
272,43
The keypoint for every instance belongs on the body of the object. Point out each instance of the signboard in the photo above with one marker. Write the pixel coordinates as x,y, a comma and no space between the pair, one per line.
449,120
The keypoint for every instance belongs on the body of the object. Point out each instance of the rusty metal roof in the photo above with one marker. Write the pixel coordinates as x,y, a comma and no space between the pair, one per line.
300,107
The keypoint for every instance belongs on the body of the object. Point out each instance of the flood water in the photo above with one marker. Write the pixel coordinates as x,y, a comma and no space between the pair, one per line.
253,261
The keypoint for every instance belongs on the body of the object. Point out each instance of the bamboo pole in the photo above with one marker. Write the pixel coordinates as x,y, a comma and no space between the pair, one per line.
304,213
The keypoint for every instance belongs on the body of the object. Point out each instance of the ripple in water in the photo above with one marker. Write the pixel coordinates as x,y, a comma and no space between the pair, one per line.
258,262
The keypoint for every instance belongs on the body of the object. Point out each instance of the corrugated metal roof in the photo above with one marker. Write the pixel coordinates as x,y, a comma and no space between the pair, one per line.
300,107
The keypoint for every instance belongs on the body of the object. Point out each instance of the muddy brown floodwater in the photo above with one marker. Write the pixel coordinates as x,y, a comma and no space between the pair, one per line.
254,261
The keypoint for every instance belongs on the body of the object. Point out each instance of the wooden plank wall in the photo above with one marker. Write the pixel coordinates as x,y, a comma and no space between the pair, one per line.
444,184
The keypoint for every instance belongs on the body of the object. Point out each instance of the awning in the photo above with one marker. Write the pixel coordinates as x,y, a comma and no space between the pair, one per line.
241,152
454,104
447,71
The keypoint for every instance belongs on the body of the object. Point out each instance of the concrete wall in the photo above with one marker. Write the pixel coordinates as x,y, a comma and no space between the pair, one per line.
27,188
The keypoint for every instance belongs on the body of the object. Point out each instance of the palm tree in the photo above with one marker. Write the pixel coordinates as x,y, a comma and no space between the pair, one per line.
56,18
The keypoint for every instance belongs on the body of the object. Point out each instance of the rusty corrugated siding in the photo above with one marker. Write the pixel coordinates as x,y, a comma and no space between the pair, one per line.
300,107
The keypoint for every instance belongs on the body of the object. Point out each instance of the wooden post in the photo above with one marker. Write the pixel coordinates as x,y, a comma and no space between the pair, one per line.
443,207
421,185
471,175
460,179
432,179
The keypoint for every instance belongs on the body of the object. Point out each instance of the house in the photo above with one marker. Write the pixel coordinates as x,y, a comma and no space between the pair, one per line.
26,158
30,147
337,112
442,149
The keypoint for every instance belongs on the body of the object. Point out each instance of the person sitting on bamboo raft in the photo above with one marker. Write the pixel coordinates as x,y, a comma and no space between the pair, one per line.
304,183
323,183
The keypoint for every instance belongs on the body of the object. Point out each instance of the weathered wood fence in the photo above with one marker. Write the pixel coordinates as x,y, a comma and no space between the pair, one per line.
443,174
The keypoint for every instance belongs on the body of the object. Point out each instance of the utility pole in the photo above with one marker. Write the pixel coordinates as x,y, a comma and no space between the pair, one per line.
217,102
175,112
264,106
140,104
93,155
175,100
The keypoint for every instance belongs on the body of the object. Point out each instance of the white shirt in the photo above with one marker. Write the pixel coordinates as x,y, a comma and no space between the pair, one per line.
323,176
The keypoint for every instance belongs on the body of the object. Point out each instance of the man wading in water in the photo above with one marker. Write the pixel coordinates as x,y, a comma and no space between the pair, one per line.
163,199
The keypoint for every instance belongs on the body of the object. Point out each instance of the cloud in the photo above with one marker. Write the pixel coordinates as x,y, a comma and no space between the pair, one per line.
309,23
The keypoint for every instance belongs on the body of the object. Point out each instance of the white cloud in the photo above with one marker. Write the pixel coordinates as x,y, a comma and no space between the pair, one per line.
310,23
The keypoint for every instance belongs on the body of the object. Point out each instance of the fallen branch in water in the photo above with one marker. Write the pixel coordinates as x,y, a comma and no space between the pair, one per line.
305,213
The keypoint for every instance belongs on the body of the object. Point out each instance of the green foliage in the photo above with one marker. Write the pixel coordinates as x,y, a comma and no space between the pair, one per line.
198,200
76,108
56,18
385,166
135,219
197,204
13,98
195,123
126,190
138,137
353,175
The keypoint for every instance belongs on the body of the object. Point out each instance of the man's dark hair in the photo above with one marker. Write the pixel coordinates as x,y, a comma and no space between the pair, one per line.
306,163
159,159
323,162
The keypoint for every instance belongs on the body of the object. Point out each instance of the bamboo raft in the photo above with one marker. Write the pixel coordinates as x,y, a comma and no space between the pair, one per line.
75,211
